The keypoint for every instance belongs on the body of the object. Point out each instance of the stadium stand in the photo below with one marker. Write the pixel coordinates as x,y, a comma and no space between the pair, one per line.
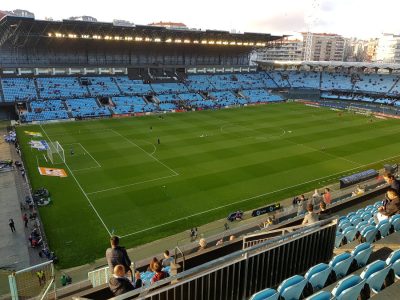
60,87
257,96
168,88
102,86
133,87
226,98
86,108
18,89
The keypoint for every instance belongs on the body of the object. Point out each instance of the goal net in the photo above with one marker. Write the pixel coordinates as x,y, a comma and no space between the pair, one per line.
55,153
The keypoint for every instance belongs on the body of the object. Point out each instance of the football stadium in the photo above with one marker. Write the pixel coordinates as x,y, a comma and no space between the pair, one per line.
213,175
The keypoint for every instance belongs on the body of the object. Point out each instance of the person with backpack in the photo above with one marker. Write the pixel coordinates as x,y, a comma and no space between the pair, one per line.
117,255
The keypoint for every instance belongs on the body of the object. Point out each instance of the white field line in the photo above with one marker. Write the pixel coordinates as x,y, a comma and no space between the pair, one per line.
136,145
84,149
255,197
131,184
80,187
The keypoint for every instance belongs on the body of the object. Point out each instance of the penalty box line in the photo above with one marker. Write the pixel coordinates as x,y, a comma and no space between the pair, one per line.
84,149
150,155
257,196
80,187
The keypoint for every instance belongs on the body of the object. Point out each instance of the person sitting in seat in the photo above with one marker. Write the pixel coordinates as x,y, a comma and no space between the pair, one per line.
138,280
167,259
311,216
391,208
118,283
160,274
323,212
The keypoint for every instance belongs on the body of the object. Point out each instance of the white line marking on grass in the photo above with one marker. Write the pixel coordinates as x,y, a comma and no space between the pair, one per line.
136,145
255,197
131,184
80,187
84,149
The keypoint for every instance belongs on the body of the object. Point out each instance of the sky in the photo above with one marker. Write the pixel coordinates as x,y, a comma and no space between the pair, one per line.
350,18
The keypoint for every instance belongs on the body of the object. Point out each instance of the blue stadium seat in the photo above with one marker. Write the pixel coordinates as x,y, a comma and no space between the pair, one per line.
366,216
356,220
384,227
396,224
394,217
362,253
375,274
317,275
292,288
348,288
321,295
341,264
351,215
267,294
361,225
369,233
338,239
350,233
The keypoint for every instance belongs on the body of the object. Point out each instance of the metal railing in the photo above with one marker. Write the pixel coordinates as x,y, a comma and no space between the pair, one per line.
240,274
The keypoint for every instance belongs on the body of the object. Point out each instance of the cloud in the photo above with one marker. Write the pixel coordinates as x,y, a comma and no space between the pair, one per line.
286,24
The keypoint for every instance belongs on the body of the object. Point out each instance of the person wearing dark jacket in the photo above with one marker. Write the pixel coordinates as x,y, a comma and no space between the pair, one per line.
391,208
117,255
118,283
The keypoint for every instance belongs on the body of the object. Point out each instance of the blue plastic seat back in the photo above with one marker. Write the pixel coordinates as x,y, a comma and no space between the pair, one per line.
360,211
378,203
375,274
384,227
366,216
394,217
396,224
321,295
356,221
370,235
369,207
343,226
292,288
394,256
396,268
351,214
317,275
338,239
352,292
362,253
341,264
361,225
345,283
350,233
267,294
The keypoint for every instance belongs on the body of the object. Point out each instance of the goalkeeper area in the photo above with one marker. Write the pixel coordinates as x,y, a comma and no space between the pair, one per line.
150,177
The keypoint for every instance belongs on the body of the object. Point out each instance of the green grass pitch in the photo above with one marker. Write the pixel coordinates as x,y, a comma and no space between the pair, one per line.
208,163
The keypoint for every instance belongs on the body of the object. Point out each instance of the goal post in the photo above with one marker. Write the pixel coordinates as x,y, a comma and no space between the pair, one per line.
55,152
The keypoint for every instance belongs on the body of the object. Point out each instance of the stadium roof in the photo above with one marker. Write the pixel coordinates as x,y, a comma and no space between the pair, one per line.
19,31
331,64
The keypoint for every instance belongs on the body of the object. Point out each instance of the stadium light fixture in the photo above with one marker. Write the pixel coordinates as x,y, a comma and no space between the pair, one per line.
50,34
128,38
232,43
239,43
157,40
204,41
72,36
178,41
245,44
211,42
107,37
147,39
97,37
85,36
251,44
186,41
117,38
225,42
168,40
138,39
58,35
195,42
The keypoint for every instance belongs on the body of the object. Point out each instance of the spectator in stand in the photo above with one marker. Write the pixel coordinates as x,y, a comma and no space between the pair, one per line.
138,280
311,216
301,205
323,212
160,274
392,181
391,208
118,282
167,259
12,225
327,196
25,219
117,255
315,198
202,244
151,267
